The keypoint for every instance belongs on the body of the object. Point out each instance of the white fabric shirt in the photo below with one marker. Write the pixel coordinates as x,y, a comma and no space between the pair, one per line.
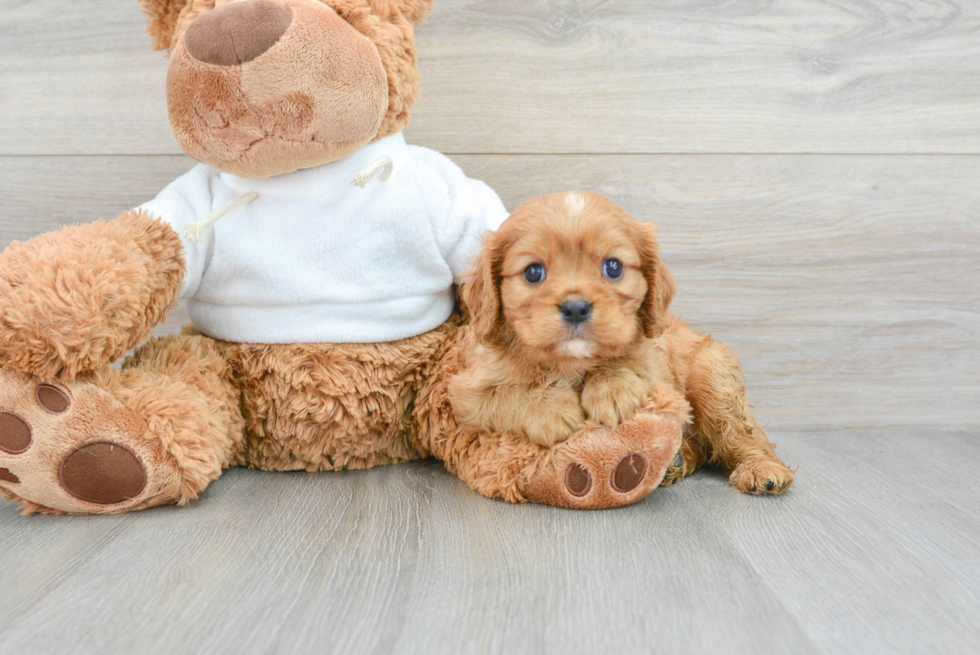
315,259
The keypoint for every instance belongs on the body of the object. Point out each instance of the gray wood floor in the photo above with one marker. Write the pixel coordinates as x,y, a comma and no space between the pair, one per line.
877,549
814,170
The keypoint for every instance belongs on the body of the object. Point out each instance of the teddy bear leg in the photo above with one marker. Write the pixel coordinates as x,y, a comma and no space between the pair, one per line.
596,468
156,432
601,468
330,407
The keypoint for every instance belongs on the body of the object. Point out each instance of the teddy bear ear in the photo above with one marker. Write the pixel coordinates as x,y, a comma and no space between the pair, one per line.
162,19
414,10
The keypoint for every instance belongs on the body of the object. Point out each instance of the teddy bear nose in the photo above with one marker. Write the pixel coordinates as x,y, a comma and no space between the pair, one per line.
237,32
576,311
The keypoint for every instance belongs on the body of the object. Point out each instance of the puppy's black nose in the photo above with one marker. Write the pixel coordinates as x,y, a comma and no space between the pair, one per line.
576,311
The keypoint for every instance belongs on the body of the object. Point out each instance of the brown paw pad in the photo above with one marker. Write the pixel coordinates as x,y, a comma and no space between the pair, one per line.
52,399
629,473
578,480
7,475
102,473
15,433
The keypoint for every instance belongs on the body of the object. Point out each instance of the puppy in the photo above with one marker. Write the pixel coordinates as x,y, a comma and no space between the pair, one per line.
570,328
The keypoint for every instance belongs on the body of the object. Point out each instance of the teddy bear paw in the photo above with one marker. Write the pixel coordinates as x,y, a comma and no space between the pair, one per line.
73,448
602,468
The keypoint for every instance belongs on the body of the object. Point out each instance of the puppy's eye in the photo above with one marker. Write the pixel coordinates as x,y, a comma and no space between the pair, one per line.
612,268
534,274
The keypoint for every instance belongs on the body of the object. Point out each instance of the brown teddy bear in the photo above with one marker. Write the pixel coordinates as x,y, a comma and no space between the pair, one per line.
317,254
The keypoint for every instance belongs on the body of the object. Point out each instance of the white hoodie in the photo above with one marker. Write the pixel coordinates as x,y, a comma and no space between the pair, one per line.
315,259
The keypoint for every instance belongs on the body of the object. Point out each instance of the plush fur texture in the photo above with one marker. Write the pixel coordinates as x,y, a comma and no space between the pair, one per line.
78,436
326,407
340,74
344,73
77,299
173,405
162,17
533,372
189,406
317,95
507,466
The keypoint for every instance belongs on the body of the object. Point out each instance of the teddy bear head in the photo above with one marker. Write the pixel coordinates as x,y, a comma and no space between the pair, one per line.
259,88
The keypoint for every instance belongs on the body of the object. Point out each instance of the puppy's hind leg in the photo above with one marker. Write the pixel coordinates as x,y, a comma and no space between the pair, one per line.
725,425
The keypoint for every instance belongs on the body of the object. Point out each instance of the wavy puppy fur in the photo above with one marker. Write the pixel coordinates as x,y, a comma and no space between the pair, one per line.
510,467
571,328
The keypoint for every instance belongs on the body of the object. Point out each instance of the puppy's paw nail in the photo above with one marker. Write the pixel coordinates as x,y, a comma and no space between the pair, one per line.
770,485
678,461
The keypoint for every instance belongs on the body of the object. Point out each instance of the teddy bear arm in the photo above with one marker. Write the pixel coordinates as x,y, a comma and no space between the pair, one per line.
596,468
76,299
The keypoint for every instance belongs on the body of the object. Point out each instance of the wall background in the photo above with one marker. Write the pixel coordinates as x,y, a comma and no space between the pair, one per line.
813,165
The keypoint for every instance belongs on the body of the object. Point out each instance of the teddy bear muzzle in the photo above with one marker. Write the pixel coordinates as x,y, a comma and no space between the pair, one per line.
258,88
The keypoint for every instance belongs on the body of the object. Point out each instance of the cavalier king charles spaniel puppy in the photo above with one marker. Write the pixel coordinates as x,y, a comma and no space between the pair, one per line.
570,329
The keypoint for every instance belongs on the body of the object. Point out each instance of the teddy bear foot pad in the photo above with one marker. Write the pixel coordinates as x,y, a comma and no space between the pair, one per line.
73,448
602,468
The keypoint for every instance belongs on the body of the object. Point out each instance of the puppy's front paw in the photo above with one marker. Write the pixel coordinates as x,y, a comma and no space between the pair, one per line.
762,477
611,398
554,418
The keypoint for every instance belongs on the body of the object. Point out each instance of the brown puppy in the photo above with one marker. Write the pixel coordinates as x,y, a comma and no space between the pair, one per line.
570,323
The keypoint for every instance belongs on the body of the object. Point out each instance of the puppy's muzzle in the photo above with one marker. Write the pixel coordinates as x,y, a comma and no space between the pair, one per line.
575,312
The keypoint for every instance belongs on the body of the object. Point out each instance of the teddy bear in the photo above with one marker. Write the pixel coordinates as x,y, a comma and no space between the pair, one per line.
317,254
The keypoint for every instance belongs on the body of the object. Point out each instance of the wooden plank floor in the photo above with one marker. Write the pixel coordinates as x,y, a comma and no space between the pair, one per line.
814,170
874,551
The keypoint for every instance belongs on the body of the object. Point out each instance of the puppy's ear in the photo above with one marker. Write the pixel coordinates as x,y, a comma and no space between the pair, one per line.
162,20
481,293
660,281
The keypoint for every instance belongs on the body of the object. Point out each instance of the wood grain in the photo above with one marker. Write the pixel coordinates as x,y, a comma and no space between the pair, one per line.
849,286
858,557
550,76
884,511
836,247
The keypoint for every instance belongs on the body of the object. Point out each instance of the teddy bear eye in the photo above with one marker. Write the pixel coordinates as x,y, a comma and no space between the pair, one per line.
612,268
534,274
